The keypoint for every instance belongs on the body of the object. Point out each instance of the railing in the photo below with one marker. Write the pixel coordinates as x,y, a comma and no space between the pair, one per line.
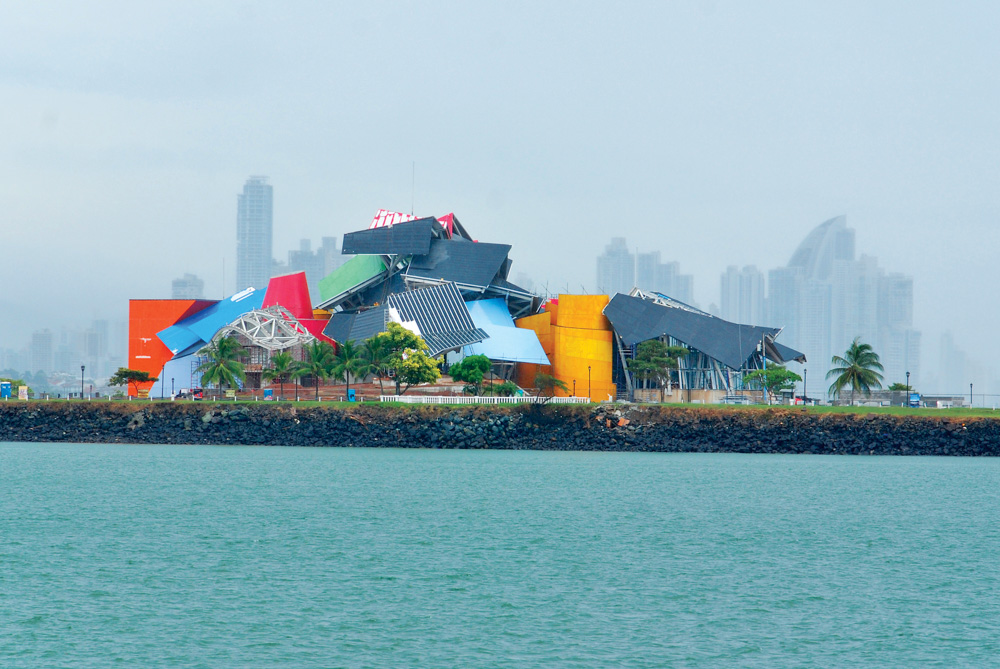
462,399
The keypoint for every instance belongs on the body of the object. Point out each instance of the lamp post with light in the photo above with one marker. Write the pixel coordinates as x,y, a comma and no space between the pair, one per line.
82,367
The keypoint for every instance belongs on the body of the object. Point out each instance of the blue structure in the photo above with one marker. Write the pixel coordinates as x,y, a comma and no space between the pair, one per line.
4,390
198,330
507,342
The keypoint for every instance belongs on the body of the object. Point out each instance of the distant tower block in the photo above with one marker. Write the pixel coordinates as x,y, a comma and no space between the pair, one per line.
254,227
188,287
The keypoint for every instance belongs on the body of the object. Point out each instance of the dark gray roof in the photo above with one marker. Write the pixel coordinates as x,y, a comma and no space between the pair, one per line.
412,237
638,320
789,354
357,327
441,316
464,263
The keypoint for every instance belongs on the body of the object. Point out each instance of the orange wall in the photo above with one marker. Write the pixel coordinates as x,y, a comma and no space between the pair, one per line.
542,326
575,335
146,352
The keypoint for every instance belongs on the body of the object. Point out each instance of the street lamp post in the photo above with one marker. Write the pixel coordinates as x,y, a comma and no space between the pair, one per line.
171,387
82,367
805,385
589,395
574,387
970,395
907,402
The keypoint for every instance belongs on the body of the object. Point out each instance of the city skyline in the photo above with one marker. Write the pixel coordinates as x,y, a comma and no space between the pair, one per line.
745,126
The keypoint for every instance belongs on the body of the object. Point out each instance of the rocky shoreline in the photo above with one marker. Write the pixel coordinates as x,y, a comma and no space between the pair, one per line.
563,427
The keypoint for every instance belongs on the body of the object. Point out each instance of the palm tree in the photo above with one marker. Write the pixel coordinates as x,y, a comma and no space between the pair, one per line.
281,369
223,366
318,362
346,361
376,357
858,368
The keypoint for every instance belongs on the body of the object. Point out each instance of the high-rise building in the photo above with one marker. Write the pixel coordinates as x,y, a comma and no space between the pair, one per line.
316,264
659,277
42,351
188,287
254,227
615,268
826,297
743,295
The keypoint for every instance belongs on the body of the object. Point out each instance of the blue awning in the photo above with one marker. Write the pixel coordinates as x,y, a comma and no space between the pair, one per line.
507,342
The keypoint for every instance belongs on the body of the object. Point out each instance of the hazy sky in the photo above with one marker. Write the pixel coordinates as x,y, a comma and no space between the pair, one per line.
716,132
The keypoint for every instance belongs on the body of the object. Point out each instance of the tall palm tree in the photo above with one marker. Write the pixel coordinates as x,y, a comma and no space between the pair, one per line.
346,361
318,362
223,366
376,358
281,369
858,368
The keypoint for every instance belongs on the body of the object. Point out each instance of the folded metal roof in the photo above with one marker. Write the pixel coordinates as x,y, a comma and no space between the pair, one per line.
411,238
290,291
789,354
441,316
637,320
507,342
202,326
353,275
357,327
465,263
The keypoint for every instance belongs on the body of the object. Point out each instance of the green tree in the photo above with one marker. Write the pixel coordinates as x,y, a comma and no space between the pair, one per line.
416,367
773,380
548,384
282,366
406,357
655,360
318,362
223,366
901,388
471,370
130,377
859,368
505,389
376,359
347,360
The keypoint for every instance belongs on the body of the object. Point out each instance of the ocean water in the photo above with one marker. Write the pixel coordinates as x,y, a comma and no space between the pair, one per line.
189,556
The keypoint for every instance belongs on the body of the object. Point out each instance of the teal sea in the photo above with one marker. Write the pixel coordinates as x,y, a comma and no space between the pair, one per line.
185,556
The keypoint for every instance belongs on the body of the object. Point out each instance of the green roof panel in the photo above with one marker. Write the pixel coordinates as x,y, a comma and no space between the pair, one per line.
355,272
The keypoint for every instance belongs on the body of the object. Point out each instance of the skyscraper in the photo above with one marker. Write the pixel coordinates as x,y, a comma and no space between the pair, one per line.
615,268
316,264
188,287
743,295
826,297
254,223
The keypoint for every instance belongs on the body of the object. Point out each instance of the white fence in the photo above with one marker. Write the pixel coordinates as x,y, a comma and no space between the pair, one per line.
462,399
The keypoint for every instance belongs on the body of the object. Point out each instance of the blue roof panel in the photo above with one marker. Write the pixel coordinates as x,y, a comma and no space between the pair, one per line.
507,342
201,327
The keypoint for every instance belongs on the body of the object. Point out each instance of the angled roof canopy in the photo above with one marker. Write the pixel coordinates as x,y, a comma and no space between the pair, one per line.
507,342
440,315
412,238
353,276
467,264
202,326
636,320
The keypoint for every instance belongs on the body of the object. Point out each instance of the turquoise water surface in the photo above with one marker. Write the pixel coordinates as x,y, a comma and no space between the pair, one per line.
190,556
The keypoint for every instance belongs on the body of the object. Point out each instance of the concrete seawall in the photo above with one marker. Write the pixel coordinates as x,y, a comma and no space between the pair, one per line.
629,428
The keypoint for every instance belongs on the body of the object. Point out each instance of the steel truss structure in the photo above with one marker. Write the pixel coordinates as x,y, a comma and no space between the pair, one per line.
272,328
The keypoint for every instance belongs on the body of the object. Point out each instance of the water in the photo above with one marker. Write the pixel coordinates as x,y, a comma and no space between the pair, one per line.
168,556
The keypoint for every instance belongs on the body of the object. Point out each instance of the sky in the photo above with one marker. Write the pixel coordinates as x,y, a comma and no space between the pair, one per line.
718,133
